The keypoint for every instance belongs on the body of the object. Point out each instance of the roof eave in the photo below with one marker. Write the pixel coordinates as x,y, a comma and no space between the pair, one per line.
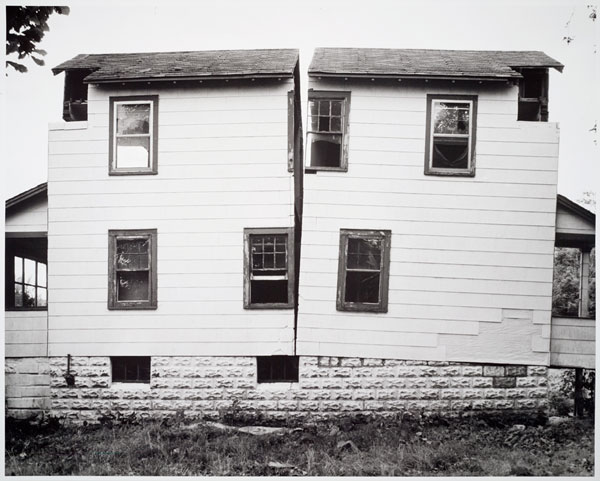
196,78
490,78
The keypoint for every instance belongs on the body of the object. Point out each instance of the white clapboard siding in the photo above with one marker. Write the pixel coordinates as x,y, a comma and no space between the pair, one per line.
133,320
33,218
273,157
25,333
573,342
383,349
475,250
212,347
222,167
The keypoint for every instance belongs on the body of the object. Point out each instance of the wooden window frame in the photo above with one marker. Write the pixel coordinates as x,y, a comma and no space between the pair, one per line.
248,232
344,96
290,367
429,169
382,305
113,302
133,359
153,132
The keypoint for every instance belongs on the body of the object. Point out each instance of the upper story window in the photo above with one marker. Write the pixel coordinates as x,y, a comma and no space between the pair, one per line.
328,130
132,269
133,135
450,135
268,268
363,272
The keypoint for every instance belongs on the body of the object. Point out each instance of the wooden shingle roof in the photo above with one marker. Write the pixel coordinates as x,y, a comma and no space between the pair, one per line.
399,63
209,64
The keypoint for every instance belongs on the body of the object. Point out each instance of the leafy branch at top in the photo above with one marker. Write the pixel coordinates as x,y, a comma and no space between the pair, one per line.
25,28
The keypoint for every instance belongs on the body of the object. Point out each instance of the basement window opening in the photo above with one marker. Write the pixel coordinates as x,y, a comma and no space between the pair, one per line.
130,369
271,369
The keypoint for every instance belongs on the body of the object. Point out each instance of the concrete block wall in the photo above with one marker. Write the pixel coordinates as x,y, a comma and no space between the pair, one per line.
27,386
328,386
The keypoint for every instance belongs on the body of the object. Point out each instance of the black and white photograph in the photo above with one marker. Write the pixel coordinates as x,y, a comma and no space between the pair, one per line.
284,238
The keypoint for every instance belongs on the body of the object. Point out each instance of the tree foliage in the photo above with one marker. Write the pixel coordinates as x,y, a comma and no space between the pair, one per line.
25,28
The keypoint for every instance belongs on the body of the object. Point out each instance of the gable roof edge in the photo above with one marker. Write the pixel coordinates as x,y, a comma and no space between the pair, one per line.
28,194
575,208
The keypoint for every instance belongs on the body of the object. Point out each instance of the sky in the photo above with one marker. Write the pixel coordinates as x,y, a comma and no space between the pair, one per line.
30,101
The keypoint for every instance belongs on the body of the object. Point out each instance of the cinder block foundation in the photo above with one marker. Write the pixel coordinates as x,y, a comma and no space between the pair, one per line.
328,386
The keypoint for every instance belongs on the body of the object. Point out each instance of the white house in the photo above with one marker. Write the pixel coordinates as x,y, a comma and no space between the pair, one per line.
191,267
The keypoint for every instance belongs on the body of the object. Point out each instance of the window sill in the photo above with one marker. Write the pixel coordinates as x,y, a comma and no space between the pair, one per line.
277,385
132,308
362,308
19,309
130,386
132,172
269,306
314,170
448,173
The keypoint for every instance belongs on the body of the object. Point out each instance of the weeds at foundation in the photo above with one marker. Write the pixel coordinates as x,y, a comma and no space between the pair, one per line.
400,445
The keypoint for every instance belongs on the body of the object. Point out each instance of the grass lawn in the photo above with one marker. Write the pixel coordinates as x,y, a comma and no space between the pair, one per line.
394,447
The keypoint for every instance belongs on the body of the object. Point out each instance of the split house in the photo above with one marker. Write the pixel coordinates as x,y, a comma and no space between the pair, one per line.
194,249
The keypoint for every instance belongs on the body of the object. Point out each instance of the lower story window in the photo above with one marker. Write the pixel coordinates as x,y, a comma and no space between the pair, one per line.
132,269
363,272
130,369
268,268
26,277
277,369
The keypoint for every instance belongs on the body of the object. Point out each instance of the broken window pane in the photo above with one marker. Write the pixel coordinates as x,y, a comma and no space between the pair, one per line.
362,286
133,152
450,153
132,254
133,286
133,119
325,150
451,118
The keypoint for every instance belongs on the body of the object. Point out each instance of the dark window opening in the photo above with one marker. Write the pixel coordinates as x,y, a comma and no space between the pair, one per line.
326,152
130,369
277,369
268,268
75,96
26,277
450,153
533,95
